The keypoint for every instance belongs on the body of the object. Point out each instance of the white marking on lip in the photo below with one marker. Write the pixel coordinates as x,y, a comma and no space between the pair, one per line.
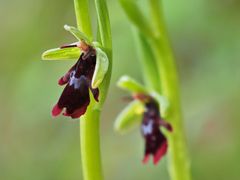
148,128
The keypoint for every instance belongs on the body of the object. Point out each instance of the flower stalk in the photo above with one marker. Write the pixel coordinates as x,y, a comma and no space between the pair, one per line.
90,145
89,123
179,165
86,82
154,40
105,38
83,17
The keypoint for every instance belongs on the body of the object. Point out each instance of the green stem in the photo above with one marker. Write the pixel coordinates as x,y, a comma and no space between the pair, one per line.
179,165
89,123
147,61
136,16
156,17
104,23
90,145
83,17
105,37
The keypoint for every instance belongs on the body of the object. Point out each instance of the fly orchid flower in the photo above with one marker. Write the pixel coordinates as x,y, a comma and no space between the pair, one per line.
146,107
155,141
75,97
84,76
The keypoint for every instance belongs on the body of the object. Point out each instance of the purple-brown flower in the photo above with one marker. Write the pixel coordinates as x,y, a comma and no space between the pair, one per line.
155,141
75,96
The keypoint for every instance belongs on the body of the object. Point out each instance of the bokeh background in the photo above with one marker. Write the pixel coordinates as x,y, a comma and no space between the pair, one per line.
206,41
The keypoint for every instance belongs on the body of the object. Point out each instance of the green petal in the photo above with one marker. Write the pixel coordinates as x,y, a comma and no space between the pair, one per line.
101,68
129,117
78,34
163,104
62,54
128,83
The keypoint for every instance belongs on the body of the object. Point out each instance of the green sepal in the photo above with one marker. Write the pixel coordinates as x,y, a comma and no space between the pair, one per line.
129,117
101,67
163,104
97,44
128,83
62,54
78,34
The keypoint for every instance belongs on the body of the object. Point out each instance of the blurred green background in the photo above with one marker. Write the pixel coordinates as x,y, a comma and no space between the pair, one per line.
206,41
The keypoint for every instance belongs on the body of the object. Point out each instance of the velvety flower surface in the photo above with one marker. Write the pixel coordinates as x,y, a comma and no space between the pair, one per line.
155,142
75,96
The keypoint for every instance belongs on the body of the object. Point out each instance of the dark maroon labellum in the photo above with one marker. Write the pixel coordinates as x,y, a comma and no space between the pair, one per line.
75,96
155,142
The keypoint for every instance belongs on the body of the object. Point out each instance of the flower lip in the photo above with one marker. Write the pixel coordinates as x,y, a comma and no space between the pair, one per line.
75,96
155,141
